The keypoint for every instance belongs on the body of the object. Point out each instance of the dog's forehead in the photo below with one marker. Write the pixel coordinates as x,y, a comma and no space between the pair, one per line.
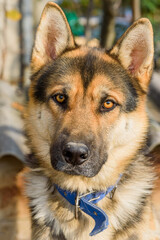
90,65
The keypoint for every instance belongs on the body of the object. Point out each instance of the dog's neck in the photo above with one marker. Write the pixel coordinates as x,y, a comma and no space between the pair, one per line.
86,202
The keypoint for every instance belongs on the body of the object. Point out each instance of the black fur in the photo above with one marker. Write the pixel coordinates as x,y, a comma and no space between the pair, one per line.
88,66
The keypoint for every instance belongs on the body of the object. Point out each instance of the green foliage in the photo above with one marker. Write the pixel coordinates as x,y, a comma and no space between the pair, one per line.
76,27
74,9
150,7
81,6
68,4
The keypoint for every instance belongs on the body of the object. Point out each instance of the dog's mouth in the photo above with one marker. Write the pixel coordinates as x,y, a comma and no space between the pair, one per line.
89,169
83,170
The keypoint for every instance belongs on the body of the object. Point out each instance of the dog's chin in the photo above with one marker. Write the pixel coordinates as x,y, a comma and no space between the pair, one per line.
85,169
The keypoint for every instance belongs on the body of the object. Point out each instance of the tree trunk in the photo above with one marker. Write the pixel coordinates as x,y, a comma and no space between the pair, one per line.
110,8
136,8
88,28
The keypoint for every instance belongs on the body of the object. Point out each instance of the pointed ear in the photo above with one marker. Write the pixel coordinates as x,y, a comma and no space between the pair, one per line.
135,51
52,38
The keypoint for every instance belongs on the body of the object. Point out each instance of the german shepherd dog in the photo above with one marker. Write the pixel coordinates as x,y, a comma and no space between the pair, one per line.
87,129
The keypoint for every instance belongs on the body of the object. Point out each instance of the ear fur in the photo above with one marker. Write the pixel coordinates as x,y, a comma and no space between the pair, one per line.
135,51
52,38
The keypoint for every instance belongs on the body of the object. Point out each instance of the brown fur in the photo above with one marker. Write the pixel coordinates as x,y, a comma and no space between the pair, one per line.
116,139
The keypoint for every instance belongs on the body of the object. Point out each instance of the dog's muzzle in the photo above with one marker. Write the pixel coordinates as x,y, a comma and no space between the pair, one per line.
83,158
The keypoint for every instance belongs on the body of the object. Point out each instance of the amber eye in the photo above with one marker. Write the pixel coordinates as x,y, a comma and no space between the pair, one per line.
108,105
60,98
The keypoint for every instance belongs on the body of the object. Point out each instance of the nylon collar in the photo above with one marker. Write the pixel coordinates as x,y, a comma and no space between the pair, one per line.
86,202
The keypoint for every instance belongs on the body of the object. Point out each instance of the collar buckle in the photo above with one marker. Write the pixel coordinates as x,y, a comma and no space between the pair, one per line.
77,205
111,194
77,200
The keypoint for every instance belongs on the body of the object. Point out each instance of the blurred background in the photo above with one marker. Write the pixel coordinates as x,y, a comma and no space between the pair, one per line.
93,22
105,20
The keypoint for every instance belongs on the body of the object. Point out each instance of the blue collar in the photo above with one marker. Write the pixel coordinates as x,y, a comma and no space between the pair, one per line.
86,202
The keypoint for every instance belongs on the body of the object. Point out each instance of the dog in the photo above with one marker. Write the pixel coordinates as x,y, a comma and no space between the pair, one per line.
87,129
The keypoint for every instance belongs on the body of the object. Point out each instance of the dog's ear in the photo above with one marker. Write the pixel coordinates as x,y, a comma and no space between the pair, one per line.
135,51
52,38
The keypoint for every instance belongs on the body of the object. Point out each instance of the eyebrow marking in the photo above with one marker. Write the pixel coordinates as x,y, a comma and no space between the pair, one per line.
88,66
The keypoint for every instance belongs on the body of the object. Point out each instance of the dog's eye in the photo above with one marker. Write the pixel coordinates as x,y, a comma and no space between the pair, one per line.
108,105
59,98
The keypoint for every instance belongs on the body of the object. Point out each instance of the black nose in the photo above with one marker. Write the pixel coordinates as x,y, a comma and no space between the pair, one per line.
75,153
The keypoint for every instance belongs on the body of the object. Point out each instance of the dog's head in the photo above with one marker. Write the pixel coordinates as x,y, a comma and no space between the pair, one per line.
86,116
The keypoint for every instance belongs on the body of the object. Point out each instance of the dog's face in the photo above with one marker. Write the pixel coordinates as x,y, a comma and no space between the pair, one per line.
87,95
86,114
